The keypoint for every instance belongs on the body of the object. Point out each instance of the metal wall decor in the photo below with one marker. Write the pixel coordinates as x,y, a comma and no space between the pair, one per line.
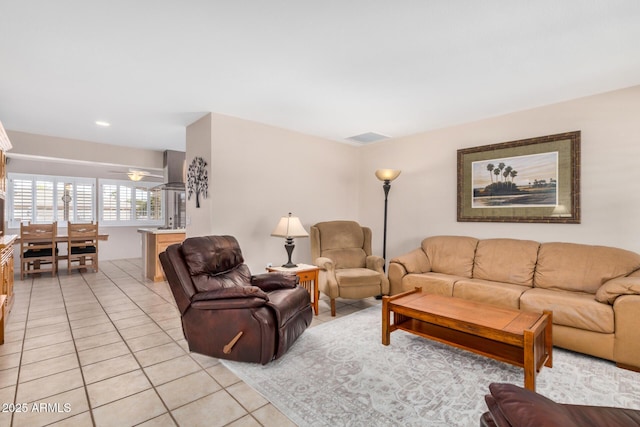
197,179
530,180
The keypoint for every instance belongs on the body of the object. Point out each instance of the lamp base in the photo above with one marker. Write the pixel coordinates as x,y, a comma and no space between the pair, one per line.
289,247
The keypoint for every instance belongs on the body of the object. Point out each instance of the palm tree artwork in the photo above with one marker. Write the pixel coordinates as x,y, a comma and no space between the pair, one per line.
197,179
490,168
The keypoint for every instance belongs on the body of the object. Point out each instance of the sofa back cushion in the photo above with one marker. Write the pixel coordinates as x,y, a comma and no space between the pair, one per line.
506,260
451,254
575,267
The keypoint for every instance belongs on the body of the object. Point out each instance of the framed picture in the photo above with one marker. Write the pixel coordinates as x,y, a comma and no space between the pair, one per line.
530,180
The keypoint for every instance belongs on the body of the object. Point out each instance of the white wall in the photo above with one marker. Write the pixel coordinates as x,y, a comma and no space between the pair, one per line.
259,173
422,201
40,154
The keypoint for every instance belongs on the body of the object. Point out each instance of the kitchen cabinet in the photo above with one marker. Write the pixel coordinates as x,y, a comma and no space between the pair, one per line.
154,242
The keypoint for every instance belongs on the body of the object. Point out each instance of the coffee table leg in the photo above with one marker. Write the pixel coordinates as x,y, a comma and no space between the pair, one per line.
386,333
548,338
529,361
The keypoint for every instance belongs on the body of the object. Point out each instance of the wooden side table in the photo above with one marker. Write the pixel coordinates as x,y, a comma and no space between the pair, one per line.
2,317
308,275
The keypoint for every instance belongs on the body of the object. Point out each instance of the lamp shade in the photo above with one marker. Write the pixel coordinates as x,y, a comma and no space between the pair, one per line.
387,174
289,226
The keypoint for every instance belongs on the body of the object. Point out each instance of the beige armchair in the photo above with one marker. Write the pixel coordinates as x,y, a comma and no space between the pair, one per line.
342,250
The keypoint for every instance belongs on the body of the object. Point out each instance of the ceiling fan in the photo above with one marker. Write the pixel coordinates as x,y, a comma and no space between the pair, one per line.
138,174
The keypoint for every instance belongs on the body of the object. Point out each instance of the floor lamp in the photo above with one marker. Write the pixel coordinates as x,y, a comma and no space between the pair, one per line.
386,176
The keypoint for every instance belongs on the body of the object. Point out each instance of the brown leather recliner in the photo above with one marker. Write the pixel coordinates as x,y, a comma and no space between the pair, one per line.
513,406
228,313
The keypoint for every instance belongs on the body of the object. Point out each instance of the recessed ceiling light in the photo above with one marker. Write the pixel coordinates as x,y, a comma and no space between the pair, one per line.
102,123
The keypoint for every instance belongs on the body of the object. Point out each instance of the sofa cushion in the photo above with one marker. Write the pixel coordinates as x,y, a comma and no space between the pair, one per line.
489,292
451,254
506,260
431,283
575,309
582,268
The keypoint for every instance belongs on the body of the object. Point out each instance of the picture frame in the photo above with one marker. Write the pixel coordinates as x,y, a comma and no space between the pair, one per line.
535,180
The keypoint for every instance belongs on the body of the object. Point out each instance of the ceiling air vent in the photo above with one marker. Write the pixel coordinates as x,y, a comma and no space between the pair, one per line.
368,137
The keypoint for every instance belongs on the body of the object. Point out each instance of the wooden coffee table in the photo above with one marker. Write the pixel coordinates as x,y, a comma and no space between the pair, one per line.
521,338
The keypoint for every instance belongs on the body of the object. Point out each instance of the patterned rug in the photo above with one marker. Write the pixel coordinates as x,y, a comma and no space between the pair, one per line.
339,374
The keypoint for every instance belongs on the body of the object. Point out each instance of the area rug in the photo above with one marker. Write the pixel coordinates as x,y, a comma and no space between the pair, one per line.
340,374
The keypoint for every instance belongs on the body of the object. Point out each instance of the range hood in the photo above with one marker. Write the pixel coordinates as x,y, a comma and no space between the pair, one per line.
175,171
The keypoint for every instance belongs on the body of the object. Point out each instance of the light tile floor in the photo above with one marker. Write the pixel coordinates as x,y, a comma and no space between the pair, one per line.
107,349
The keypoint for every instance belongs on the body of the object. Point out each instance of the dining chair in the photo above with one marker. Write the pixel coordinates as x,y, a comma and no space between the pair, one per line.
82,246
38,249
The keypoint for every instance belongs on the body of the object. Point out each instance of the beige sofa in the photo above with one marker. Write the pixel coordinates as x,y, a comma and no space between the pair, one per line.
593,291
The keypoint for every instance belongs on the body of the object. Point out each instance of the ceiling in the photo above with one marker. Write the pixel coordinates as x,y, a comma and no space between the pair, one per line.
332,68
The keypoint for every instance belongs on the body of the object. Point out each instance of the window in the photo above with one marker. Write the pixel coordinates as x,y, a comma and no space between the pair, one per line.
41,199
126,202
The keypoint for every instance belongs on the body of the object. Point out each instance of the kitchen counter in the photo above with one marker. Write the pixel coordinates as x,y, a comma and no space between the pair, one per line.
154,242
161,230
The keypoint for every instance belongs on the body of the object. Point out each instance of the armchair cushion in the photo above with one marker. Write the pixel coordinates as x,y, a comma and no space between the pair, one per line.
524,408
272,281
511,406
238,276
211,254
347,257
357,277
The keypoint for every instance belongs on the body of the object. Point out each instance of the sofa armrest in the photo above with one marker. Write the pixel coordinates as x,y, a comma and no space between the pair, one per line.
612,289
415,261
375,262
626,349
272,281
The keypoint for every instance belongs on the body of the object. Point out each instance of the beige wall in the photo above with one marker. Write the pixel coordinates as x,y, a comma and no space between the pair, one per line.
52,147
259,173
200,221
422,201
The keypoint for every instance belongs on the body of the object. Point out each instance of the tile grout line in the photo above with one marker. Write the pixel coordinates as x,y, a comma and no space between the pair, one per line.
127,345
24,335
84,383
250,413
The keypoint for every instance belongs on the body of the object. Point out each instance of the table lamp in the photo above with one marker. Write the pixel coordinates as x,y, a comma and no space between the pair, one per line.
289,227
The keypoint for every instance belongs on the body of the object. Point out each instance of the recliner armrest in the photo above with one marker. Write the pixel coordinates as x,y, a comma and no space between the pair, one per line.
231,293
272,281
